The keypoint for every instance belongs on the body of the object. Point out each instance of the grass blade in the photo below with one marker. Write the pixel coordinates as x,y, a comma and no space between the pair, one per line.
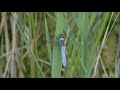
56,62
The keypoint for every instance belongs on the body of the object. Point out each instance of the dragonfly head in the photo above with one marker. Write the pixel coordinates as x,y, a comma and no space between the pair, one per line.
61,36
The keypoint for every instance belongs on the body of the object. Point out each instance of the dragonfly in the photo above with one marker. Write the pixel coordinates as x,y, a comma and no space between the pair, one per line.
62,45
62,42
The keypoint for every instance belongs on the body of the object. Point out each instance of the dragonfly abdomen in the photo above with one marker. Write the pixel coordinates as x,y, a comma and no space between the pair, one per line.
63,56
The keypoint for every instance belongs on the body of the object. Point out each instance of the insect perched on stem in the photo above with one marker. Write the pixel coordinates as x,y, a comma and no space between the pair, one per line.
62,45
61,41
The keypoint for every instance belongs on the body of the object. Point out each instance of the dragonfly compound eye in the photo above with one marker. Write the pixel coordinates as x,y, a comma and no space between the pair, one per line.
61,36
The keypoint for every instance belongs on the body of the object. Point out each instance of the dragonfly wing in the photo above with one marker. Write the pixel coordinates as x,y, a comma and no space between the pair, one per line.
63,56
71,36
49,38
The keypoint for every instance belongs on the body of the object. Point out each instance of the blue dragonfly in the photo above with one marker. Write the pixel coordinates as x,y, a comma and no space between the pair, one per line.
62,45
62,42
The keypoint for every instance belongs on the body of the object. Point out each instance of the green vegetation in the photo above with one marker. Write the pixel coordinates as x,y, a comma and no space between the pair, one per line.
27,48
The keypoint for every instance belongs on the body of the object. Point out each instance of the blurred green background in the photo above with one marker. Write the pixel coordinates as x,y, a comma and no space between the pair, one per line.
27,48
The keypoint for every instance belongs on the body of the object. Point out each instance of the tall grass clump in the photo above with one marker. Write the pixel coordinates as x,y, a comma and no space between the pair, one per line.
29,44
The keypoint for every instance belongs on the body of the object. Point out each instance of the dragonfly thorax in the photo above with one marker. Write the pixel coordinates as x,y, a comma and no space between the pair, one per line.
61,40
